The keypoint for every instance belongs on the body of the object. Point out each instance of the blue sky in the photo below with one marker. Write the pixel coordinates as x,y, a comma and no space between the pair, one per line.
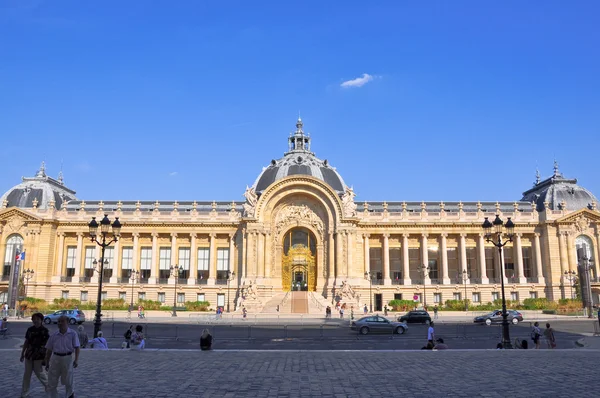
188,100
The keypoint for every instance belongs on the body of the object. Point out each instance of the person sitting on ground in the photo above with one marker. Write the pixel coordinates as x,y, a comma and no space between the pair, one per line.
524,344
3,325
440,345
499,346
83,337
137,339
205,340
99,343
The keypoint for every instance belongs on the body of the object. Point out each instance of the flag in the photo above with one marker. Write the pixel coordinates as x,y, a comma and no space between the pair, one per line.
20,255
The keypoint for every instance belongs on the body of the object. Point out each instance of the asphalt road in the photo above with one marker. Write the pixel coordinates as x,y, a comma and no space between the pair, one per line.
316,335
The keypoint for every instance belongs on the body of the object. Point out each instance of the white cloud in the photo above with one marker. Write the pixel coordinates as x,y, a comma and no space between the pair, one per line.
173,173
358,82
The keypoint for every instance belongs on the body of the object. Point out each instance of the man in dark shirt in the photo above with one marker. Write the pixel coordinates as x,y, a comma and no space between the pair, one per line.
34,352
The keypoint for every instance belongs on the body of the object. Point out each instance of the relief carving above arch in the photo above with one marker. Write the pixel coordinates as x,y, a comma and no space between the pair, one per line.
297,215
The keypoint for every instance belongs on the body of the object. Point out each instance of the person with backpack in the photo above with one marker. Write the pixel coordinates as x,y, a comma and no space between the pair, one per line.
127,336
536,333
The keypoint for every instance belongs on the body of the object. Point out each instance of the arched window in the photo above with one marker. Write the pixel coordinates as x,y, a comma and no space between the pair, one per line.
300,236
13,243
585,250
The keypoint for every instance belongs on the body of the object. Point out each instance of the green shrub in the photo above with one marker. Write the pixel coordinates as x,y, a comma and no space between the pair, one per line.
150,305
456,305
114,304
197,305
549,312
401,305
538,304
61,303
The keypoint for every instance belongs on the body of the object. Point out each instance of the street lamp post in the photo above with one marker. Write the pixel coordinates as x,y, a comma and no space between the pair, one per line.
27,275
103,242
134,276
425,271
174,272
370,278
585,264
465,277
230,277
571,276
497,227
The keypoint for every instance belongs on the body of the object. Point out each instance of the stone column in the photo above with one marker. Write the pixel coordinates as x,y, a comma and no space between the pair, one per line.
245,258
444,250
59,262
518,255
481,259
350,246
425,257
597,252
339,264
174,256
154,262
571,251
212,260
501,266
136,252
193,259
260,255
367,254
386,260
405,261
268,258
78,259
116,264
232,254
562,248
331,251
463,256
538,259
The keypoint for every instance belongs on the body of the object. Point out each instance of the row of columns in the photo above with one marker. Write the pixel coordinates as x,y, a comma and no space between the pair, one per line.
445,278
117,258
568,252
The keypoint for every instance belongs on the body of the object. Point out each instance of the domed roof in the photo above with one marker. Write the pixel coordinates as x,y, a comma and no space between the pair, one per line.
38,191
299,160
558,191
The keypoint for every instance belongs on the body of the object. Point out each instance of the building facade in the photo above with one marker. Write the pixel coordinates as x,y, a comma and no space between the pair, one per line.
298,229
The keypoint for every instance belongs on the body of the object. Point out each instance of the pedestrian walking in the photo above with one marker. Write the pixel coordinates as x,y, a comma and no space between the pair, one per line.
536,333
138,342
385,310
435,312
127,336
206,340
549,335
365,310
327,309
34,352
99,343
431,334
342,313
244,313
4,310
83,337
59,358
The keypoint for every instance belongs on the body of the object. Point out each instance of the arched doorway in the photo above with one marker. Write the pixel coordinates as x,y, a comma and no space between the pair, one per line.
299,269
12,268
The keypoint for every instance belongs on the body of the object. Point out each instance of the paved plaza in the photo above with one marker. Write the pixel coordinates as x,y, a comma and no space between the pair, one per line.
453,373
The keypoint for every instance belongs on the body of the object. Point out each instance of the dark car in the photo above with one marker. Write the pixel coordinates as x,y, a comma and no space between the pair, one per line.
415,317
513,317
378,324
75,316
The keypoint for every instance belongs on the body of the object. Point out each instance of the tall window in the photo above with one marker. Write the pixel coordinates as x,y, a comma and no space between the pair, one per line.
161,297
13,243
164,262
126,262
437,298
203,262
71,256
495,296
476,297
527,262
472,262
90,252
375,262
109,254
184,262
414,263
84,296
509,264
396,263
490,263
222,263
452,261
180,298
145,262
432,254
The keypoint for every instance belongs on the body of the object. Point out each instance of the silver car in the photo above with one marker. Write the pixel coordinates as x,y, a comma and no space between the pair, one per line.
75,316
378,324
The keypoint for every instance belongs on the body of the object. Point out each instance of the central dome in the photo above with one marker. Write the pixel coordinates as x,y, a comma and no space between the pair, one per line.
299,160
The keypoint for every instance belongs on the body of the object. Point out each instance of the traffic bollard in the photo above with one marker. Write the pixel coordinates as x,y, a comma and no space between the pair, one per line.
113,331
176,333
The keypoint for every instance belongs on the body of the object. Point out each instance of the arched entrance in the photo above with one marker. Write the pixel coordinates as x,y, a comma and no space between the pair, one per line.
299,269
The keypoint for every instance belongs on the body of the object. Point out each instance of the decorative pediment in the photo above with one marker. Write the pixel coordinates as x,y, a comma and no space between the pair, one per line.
15,212
593,216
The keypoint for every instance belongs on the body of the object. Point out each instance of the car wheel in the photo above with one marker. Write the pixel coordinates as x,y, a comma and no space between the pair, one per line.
515,321
364,330
72,321
47,321
488,322
400,330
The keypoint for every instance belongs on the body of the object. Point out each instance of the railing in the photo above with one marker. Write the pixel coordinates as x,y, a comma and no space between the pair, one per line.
315,300
86,279
377,281
220,281
144,281
495,280
532,280
123,280
66,278
5,278
163,281
182,281
105,279
202,281
475,281
397,281
285,299
435,281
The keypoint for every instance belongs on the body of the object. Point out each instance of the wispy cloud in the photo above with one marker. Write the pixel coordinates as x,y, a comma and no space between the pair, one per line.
358,82
173,174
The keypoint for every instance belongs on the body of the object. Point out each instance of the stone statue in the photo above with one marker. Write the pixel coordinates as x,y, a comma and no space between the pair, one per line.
252,291
240,300
251,200
348,203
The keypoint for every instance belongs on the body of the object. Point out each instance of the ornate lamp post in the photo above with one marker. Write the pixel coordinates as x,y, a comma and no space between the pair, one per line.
369,276
425,271
175,271
496,228
230,277
134,276
103,241
27,275
571,276
465,277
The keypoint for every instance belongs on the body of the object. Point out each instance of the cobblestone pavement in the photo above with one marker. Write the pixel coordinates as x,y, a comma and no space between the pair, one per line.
458,373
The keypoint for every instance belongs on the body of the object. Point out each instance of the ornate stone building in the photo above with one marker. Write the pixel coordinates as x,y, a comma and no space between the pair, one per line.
299,229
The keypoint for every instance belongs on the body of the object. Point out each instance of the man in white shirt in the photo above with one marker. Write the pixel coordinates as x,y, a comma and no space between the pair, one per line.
431,334
59,360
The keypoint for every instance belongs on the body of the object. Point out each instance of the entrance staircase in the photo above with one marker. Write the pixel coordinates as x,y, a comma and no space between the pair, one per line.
296,302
